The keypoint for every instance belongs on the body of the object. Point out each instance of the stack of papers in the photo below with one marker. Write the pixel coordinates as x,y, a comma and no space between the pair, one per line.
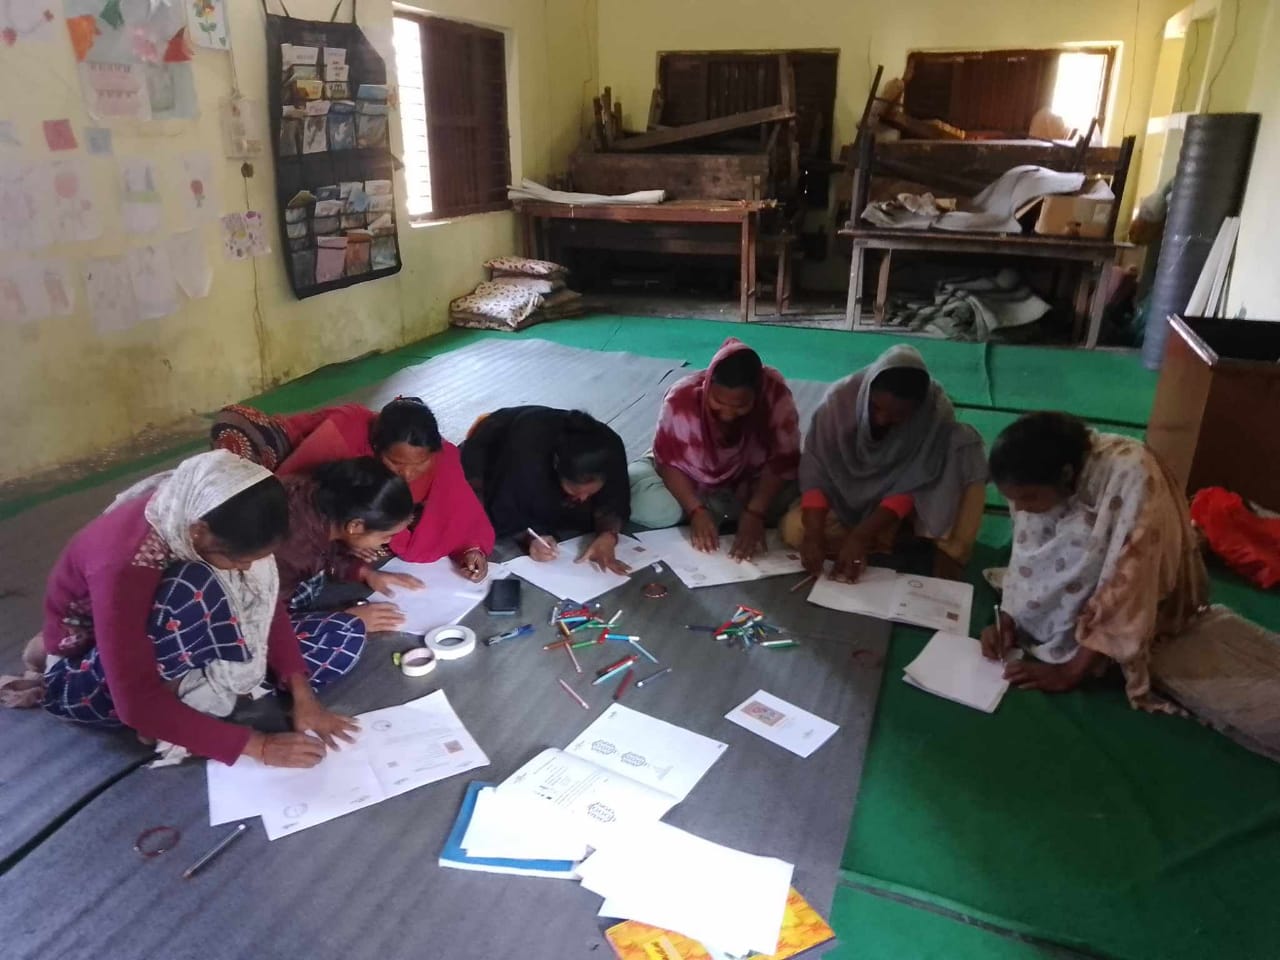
952,666
492,839
698,569
446,598
905,598
564,577
731,901
397,749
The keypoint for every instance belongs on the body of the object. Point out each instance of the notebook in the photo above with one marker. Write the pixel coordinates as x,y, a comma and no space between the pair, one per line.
455,855
696,569
905,598
952,666
802,929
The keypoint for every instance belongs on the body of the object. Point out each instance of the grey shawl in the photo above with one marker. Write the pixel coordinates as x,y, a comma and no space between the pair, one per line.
931,456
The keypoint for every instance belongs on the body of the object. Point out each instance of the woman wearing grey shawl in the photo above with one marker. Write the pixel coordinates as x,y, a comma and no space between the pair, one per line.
884,446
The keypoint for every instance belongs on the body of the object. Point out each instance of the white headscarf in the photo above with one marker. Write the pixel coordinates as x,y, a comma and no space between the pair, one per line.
183,496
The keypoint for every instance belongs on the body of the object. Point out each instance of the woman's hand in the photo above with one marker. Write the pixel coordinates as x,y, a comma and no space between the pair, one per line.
852,558
813,552
382,582
369,554
704,533
1049,677
543,549
999,639
310,716
750,538
601,554
474,565
284,749
378,617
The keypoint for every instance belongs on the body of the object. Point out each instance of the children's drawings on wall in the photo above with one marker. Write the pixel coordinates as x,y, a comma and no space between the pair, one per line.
199,192
35,289
59,135
141,208
191,267
154,289
108,289
23,225
244,235
134,58
75,213
9,134
27,21
98,141
207,23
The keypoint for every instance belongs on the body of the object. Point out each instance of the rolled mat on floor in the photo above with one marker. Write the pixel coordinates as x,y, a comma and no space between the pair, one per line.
1208,187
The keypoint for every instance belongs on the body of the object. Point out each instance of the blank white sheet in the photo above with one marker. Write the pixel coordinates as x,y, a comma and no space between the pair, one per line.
447,597
952,666
567,579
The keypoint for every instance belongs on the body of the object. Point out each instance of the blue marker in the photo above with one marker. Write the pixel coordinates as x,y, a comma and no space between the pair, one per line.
521,631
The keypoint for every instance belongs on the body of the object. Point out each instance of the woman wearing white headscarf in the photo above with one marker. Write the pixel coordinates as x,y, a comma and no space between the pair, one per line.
164,611
883,447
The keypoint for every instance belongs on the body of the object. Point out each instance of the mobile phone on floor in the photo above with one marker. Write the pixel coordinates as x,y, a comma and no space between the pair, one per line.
504,597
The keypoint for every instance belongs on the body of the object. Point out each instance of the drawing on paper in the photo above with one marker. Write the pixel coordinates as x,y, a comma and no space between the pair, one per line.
21,225
154,290
109,293
75,215
199,192
141,208
765,714
207,22
27,21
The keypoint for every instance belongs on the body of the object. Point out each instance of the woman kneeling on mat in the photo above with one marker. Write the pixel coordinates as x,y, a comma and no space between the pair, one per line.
558,473
406,438
727,448
165,610
1105,562
338,512
884,447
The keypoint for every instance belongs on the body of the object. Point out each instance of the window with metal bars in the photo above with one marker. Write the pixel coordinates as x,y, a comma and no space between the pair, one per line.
452,80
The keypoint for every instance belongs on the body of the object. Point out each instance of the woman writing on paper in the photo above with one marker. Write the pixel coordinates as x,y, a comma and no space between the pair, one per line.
1105,563
450,521
726,448
884,448
555,472
338,512
164,611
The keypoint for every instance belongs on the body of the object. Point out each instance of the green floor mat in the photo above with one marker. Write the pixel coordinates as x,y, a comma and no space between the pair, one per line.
871,927
1071,817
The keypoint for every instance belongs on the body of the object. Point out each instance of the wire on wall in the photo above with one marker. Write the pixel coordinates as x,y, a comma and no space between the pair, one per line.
259,321
1133,67
1188,57
1226,55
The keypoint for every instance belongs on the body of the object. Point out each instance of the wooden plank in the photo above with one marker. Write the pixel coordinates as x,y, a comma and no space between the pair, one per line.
1119,181
984,161
930,177
655,109
721,211
683,175
707,128
598,132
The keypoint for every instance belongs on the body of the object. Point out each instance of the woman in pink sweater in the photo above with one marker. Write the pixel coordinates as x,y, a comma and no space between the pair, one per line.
164,611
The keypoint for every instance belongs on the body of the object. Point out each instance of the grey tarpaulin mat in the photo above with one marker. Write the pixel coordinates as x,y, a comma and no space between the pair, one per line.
463,384
367,885
47,768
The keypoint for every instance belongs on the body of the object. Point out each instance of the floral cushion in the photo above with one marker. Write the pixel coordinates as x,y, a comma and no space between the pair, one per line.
523,267
495,306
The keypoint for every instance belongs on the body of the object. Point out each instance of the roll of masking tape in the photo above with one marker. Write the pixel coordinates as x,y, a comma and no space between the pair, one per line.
451,643
417,662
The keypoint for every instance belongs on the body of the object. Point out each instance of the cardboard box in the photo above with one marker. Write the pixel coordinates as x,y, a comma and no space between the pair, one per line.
1083,215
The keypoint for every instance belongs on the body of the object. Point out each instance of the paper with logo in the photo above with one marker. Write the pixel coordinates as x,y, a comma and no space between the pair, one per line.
199,191
782,723
34,289
207,24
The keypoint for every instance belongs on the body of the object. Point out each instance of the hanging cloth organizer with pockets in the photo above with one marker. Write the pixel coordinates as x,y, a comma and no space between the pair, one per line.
329,125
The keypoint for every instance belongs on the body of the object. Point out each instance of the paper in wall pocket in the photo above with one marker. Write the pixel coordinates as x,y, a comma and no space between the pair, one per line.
384,203
331,259
328,193
342,131
371,132
295,230
337,90
359,243
354,221
377,188
373,91
295,214
326,225
315,135
328,208
384,253
369,109
290,137
304,268
301,243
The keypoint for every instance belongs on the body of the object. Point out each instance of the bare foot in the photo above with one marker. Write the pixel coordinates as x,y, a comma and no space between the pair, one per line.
33,656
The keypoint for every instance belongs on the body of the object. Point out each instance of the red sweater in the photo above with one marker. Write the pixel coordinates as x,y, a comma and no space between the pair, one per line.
100,594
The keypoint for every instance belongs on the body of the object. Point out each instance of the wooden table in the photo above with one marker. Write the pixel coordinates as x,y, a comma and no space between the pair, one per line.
745,213
1092,255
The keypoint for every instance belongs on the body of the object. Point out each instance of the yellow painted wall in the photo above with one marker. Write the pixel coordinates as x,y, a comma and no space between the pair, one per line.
70,392
1255,283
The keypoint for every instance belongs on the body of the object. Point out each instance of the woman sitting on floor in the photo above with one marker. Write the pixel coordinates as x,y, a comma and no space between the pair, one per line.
1105,562
556,472
165,610
884,446
406,438
339,512
727,448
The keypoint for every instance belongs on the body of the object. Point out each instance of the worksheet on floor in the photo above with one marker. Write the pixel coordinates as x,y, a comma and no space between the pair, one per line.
566,578
698,569
952,666
447,596
785,724
906,598
644,748
397,749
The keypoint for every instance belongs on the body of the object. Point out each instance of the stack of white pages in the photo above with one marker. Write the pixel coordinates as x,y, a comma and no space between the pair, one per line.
952,666
697,569
906,598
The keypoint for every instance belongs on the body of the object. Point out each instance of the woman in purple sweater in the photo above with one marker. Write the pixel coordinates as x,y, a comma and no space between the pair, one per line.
164,611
